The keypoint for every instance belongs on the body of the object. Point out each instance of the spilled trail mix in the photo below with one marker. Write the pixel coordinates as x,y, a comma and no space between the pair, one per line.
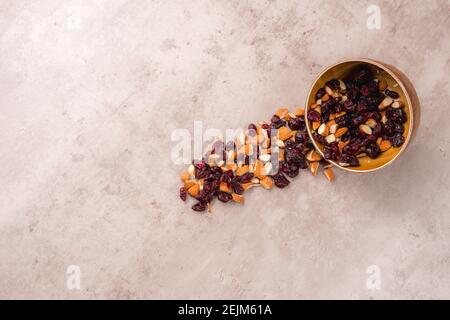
267,154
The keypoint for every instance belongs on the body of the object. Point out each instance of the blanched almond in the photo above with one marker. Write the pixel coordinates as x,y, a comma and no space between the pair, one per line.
191,170
330,138
397,104
312,155
267,168
314,167
318,102
342,85
385,103
238,198
340,132
365,129
184,176
333,128
328,172
267,182
385,145
328,90
323,130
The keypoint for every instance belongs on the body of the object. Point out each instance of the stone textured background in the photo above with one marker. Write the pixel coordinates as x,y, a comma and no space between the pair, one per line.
90,92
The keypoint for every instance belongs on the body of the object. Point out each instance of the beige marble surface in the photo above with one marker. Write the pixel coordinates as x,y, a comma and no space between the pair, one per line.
90,92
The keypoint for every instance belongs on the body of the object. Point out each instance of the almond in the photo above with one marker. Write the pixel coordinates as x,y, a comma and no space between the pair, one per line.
184,176
231,166
224,187
397,104
328,90
340,132
315,125
332,116
330,138
371,123
313,156
267,168
238,198
244,169
267,182
318,109
247,185
379,139
189,183
342,144
382,85
194,190
191,170
299,112
284,133
314,167
384,119
281,155
340,114
385,103
385,145
280,143
281,112
365,129
258,169
323,130
325,98
333,128
330,123
328,172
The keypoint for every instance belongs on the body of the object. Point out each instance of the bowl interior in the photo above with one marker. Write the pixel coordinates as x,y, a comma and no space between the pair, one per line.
343,70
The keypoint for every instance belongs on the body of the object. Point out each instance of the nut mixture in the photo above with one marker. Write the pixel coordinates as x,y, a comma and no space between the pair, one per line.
228,170
357,117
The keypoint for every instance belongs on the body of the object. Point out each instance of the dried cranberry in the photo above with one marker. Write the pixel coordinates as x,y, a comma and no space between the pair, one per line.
237,187
348,106
313,115
362,75
373,150
293,171
397,115
224,196
297,124
365,91
183,193
280,180
389,128
350,160
301,137
333,84
331,151
275,118
320,93
397,140
343,121
199,206
392,94
245,178
399,128
294,156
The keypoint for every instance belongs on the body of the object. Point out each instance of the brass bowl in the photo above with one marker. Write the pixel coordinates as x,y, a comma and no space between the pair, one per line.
396,81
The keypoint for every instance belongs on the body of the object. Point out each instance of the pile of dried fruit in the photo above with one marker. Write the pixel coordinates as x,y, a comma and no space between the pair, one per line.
262,156
357,117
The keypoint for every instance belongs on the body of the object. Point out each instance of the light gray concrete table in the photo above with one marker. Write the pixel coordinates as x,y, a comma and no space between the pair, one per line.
90,92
